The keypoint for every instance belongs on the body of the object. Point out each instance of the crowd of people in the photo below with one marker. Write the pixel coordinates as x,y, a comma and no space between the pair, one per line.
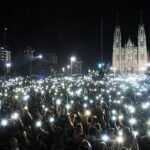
75,113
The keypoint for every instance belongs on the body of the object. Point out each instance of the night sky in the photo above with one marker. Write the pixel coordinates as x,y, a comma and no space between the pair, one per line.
70,27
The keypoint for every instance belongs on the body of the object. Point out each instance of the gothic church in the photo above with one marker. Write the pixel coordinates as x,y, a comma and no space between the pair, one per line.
130,58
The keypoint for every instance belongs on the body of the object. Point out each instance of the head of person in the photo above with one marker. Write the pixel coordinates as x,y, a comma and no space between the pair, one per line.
14,143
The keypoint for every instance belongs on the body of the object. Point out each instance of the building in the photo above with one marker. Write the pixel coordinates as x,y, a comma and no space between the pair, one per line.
29,52
130,58
5,55
47,65
77,67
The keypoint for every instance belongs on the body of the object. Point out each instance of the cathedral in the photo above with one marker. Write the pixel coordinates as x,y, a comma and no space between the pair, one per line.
130,58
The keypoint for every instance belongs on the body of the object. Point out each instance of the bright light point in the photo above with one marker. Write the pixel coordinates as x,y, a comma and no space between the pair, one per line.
38,124
131,109
46,109
87,112
132,121
14,116
26,107
67,106
8,65
26,97
51,119
43,106
16,96
63,69
119,139
105,138
73,59
148,133
145,105
148,122
58,101
99,65
40,56
91,101
120,117
135,133
114,112
86,98
114,118
120,133
84,105
68,66
4,122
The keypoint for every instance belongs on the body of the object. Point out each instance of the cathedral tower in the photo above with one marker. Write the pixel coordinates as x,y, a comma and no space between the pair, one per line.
117,47
142,46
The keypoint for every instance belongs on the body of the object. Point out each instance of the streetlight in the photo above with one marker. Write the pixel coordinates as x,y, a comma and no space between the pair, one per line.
72,59
68,66
40,56
63,69
68,69
8,65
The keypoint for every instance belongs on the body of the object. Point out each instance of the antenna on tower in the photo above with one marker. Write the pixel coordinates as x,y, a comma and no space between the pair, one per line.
101,40
5,30
117,19
141,17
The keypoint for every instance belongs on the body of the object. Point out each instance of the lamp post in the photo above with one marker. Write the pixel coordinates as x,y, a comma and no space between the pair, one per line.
31,57
68,69
40,56
8,66
72,59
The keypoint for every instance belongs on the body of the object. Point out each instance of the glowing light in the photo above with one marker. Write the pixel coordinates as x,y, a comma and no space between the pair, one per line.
4,122
105,138
73,58
131,109
87,112
46,109
84,105
114,112
38,124
132,121
16,96
120,139
51,119
26,107
58,101
8,65
26,97
120,117
68,106
120,133
40,56
15,116
91,101
114,118
86,98
135,133
145,105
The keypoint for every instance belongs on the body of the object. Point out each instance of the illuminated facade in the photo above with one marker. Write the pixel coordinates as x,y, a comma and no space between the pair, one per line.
130,58
5,55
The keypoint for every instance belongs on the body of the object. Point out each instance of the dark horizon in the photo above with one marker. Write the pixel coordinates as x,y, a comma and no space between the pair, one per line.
70,27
